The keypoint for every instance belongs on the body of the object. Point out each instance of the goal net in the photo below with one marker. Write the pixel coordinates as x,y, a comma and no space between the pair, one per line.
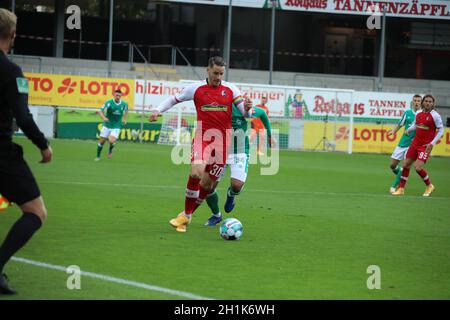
177,128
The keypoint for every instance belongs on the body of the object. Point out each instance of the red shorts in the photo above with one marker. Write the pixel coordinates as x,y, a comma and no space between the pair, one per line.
258,128
214,154
417,153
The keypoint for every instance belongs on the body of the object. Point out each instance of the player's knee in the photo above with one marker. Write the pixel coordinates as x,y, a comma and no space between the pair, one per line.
39,211
42,214
236,189
195,175
237,186
407,164
212,190
36,207
207,186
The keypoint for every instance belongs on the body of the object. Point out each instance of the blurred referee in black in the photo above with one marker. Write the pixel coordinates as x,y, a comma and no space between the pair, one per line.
17,183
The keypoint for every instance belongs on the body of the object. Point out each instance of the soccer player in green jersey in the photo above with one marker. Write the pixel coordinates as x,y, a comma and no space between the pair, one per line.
238,162
114,114
405,141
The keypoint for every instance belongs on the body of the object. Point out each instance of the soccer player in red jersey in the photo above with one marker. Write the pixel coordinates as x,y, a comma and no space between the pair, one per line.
426,123
213,99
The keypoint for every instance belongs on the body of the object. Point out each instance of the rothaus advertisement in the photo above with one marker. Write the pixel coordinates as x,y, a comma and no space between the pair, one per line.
427,9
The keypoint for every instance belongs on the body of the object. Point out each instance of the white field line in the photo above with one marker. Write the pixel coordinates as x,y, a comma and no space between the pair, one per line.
319,193
114,280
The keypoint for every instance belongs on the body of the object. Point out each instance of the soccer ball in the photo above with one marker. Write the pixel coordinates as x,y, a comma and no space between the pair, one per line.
231,229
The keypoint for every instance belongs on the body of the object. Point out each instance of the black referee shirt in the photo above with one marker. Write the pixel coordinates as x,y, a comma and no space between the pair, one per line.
14,104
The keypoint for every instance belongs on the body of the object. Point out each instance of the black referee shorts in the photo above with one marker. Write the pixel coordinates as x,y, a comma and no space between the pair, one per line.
17,183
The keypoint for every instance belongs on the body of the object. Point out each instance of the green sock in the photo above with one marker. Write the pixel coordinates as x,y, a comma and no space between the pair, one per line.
396,170
111,147
99,149
213,202
232,193
397,179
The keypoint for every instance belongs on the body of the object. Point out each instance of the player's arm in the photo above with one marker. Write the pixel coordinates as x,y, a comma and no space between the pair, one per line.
162,107
186,94
102,113
411,128
393,131
261,114
245,105
440,127
125,115
400,124
18,100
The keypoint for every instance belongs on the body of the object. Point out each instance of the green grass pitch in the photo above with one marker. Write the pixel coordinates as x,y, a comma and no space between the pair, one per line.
310,232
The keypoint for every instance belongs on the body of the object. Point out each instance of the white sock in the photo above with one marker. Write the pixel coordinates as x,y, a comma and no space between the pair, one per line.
217,215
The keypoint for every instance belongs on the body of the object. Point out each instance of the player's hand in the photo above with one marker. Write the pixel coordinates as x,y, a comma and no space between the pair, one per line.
429,148
46,155
407,132
106,119
124,123
248,104
391,132
154,116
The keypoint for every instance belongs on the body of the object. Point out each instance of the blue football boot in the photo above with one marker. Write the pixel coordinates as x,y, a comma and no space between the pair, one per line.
213,220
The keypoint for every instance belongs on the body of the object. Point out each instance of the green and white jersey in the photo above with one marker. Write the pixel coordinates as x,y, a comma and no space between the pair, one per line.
407,119
241,143
114,112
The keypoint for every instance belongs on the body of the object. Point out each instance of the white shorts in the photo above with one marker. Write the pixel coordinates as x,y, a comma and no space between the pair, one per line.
238,162
106,132
399,153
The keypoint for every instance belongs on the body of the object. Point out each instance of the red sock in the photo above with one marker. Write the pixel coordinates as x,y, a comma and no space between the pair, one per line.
424,175
404,177
192,193
201,197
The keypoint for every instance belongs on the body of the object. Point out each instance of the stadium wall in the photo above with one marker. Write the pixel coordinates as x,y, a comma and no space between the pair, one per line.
98,68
